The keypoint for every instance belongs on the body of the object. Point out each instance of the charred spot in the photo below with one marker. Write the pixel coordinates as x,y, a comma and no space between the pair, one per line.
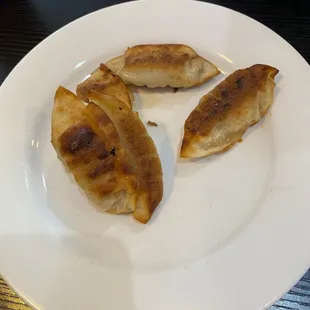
78,161
175,90
112,152
100,170
224,93
240,82
120,108
103,154
76,139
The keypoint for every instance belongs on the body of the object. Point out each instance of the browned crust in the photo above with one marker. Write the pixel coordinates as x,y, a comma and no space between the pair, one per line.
85,154
169,58
225,99
154,55
104,81
89,147
102,123
67,109
141,150
108,132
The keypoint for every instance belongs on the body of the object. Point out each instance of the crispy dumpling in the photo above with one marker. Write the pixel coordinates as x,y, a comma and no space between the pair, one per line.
162,65
141,150
68,109
88,145
104,81
123,168
225,113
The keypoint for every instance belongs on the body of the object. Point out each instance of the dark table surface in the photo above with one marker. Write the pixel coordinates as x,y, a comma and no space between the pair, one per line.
25,23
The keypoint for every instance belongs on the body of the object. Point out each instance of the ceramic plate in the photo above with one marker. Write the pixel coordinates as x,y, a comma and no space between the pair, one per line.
232,230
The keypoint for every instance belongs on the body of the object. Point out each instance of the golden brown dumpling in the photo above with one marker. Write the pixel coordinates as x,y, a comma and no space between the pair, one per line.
68,109
141,150
225,113
104,81
88,145
161,65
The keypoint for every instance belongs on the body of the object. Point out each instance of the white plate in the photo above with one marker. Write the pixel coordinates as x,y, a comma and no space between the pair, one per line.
232,230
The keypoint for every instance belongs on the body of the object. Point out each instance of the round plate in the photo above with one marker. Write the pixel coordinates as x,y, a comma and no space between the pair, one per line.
232,230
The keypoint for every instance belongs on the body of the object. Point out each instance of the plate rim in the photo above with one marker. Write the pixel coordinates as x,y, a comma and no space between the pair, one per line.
55,33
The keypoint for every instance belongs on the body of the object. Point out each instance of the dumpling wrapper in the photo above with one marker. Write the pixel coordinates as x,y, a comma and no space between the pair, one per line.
141,150
162,65
104,81
87,144
67,110
225,113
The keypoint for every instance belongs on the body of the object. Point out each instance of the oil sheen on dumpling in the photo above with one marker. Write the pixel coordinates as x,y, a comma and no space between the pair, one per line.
225,113
162,65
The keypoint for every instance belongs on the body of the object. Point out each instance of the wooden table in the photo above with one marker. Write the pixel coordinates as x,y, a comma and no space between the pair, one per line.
25,23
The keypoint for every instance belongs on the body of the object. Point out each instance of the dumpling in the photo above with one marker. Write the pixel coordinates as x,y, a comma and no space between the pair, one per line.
88,145
141,151
225,113
124,171
104,81
162,65
68,109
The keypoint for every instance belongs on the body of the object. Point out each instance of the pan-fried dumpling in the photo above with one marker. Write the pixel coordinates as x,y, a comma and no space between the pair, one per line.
88,145
162,65
225,113
123,169
68,109
104,81
141,150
